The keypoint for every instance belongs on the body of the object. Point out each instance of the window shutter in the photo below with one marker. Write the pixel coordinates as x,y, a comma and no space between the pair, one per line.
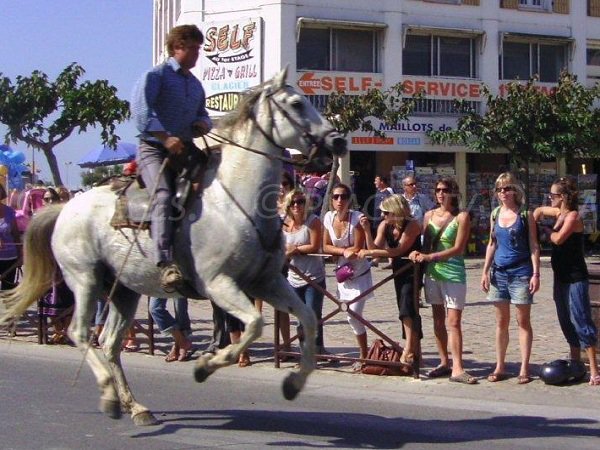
471,2
594,8
510,4
561,6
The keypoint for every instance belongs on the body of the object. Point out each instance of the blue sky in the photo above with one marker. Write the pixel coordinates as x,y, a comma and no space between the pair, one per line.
110,39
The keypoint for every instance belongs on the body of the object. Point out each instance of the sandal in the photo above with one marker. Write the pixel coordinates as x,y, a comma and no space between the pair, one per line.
464,378
185,352
172,355
439,371
595,380
495,377
130,346
407,357
524,379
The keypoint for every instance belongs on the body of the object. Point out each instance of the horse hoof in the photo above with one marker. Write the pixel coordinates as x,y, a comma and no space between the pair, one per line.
145,419
201,371
111,408
290,389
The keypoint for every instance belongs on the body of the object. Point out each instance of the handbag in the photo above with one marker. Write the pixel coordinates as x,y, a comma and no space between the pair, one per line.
344,272
381,352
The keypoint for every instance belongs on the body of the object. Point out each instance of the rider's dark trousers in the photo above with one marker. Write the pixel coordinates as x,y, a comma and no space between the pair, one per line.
149,159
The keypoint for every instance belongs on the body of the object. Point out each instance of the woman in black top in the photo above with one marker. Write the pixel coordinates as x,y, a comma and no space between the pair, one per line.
570,272
398,235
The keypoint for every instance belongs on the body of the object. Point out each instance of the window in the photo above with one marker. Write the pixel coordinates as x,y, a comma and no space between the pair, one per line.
540,5
523,60
341,49
593,62
443,56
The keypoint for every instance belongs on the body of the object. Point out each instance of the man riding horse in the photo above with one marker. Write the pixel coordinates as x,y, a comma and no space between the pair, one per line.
168,107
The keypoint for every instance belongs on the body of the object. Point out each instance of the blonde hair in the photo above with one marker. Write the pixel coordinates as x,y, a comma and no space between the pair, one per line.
399,207
509,179
287,203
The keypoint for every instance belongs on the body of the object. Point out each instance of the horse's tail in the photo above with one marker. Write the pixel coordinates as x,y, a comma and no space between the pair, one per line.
39,265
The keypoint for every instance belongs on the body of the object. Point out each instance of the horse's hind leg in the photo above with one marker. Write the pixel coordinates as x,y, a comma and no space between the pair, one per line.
282,297
225,293
120,319
86,292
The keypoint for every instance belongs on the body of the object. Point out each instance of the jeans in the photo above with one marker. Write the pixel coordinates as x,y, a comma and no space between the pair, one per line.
165,321
574,313
313,298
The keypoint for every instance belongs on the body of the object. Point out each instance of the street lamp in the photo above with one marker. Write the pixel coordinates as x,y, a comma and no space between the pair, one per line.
67,164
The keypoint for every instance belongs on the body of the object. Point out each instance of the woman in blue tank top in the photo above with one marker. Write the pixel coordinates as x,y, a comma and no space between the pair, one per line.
571,294
511,272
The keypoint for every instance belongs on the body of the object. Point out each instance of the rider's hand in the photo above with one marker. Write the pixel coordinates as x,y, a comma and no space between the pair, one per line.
174,145
200,128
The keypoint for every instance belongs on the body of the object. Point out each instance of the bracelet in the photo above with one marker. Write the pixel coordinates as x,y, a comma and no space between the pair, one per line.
536,274
435,258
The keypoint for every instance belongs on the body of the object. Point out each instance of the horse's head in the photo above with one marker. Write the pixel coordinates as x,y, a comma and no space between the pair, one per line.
295,122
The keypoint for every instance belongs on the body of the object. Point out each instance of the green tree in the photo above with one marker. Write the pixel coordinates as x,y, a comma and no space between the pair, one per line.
349,113
532,124
43,113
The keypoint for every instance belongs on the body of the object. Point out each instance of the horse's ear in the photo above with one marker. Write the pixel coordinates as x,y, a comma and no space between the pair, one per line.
280,78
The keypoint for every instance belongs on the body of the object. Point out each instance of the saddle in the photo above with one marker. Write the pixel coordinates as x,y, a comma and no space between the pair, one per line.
133,199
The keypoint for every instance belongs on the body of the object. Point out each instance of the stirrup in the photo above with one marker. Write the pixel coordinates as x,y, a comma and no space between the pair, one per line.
170,277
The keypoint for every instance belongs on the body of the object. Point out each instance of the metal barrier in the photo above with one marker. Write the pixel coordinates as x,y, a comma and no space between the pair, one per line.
344,307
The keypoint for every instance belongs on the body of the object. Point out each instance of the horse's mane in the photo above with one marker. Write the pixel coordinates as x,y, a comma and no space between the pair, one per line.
244,109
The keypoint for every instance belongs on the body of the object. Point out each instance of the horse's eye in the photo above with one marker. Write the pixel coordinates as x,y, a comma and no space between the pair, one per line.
297,105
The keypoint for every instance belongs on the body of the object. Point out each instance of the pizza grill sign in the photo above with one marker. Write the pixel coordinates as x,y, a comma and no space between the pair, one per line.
230,62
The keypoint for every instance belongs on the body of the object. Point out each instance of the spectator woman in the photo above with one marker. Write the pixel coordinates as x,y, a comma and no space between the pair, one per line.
511,272
344,237
303,235
398,234
9,243
446,232
571,294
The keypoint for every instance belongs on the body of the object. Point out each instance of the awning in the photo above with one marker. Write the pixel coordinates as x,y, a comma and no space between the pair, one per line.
334,23
443,31
537,38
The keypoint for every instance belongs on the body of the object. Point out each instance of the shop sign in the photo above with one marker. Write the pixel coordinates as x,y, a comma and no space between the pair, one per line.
230,61
324,83
443,88
406,136
545,88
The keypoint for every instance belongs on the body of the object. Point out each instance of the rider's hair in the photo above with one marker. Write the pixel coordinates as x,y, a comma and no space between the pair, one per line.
183,34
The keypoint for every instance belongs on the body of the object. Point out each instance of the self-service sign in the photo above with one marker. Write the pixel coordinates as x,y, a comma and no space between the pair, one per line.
324,83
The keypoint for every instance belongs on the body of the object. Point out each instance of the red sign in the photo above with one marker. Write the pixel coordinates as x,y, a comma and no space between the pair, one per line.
324,83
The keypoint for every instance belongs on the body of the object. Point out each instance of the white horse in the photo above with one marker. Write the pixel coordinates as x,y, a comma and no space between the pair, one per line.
228,243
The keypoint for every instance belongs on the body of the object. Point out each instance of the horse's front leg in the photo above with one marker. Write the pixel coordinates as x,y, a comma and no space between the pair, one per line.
282,297
225,293
121,314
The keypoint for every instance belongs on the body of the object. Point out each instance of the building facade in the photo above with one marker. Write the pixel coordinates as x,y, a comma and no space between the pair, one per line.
446,48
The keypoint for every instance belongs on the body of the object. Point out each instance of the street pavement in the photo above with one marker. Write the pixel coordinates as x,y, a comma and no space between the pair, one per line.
478,329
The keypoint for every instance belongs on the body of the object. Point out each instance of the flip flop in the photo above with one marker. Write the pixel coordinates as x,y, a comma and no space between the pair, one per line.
494,377
595,380
464,378
439,371
172,356
524,379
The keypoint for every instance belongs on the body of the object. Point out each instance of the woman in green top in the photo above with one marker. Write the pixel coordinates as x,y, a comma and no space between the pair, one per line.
446,232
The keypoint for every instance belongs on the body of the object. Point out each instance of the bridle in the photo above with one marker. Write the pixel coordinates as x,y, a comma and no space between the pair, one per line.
314,142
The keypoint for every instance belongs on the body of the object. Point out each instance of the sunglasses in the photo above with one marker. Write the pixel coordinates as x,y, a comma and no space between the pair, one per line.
385,213
340,196
553,195
298,202
47,199
410,184
505,189
444,190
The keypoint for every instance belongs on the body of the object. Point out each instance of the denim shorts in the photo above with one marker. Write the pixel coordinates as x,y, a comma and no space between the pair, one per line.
509,288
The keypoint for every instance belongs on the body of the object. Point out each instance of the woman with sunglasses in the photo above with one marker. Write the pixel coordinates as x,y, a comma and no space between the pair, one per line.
511,272
303,235
446,232
398,235
571,285
344,237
